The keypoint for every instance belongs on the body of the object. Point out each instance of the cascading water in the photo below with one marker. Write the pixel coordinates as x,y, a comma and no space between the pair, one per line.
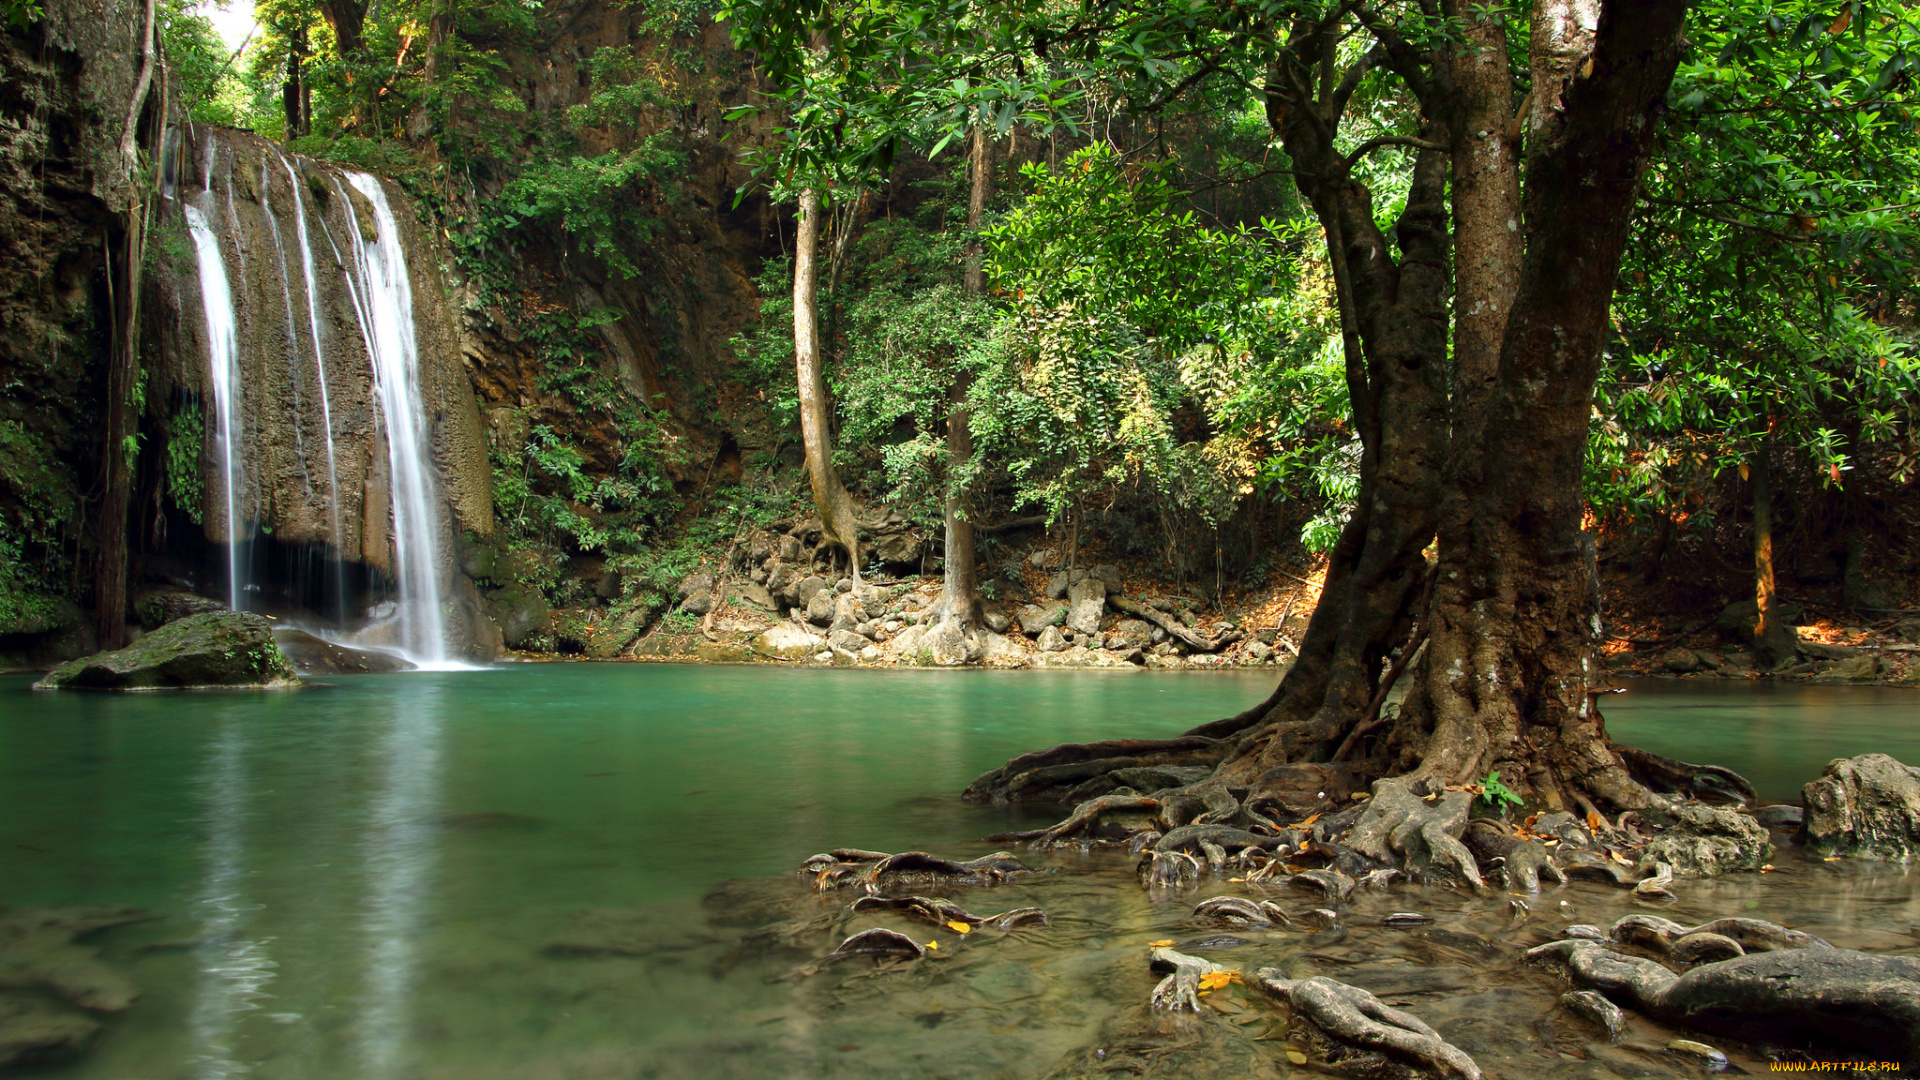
385,299
223,343
320,367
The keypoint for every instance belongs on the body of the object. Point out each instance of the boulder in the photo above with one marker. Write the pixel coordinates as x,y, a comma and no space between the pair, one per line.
846,641
1037,617
790,548
160,607
787,642
1051,640
807,588
847,613
898,548
1086,602
1738,620
1109,576
946,645
316,656
1057,584
995,619
1130,634
1861,668
1704,841
1867,807
820,608
521,613
1907,630
1259,652
994,646
223,648
1680,661
722,652
756,596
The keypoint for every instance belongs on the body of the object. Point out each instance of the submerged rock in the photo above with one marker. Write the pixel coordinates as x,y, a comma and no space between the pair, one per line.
1867,807
225,649
1705,841
47,977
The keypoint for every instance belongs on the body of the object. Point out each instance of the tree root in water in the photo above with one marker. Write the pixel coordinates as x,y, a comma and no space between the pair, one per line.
1239,912
937,911
877,872
1802,993
1356,1018
1181,988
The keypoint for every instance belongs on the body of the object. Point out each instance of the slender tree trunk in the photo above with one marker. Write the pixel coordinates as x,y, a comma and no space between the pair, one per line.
293,95
1773,641
830,497
960,597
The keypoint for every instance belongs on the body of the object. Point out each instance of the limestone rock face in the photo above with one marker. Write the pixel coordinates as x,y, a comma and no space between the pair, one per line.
313,474
1705,841
521,613
1867,807
228,648
1051,640
787,642
946,644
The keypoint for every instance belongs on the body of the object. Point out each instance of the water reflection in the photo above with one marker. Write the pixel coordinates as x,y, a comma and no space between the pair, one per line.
234,969
400,865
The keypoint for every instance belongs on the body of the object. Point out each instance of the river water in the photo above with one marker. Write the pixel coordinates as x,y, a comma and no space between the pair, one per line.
584,871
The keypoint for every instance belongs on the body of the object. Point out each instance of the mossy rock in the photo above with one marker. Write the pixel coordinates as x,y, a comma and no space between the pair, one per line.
219,649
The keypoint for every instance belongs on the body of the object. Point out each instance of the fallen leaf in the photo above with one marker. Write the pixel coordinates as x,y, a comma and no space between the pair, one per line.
1167,944
1595,822
849,1046
1767,869
1831,858
1296,1057
959,927
1308,820
1236,879
1214,980
933,945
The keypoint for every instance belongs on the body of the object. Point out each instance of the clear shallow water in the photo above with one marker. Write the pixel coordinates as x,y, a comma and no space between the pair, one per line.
513,872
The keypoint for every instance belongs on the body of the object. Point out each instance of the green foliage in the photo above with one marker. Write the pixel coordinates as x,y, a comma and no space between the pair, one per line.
186,437
598,201
198,59
1496,794
21,14
1759,302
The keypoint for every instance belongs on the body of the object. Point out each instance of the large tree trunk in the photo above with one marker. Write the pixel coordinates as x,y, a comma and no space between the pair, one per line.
830,496
1515,615
1489,468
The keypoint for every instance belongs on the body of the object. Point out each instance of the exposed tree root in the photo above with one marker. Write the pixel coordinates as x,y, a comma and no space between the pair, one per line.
1801,993
1174,627
1355,1017
1664,774
1181,988
941,912
877,872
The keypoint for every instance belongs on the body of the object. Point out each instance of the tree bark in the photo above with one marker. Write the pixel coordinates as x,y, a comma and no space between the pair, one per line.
830,497
1489,467
1773,641
960,596
1516,624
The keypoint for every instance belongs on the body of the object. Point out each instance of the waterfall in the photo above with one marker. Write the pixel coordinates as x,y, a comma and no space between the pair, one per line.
216,299
385,300
320,369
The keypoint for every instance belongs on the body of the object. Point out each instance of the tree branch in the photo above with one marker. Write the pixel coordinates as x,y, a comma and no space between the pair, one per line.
1379,141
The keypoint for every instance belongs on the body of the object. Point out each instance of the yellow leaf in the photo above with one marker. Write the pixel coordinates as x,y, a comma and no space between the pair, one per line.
1214,980
1160,944
1236,879
959,927
1594,821
933,945
1744,470
1296,1057
1767,869
1831,858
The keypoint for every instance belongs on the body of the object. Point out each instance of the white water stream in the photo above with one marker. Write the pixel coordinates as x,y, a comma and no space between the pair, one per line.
378,282
223,345
385,300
